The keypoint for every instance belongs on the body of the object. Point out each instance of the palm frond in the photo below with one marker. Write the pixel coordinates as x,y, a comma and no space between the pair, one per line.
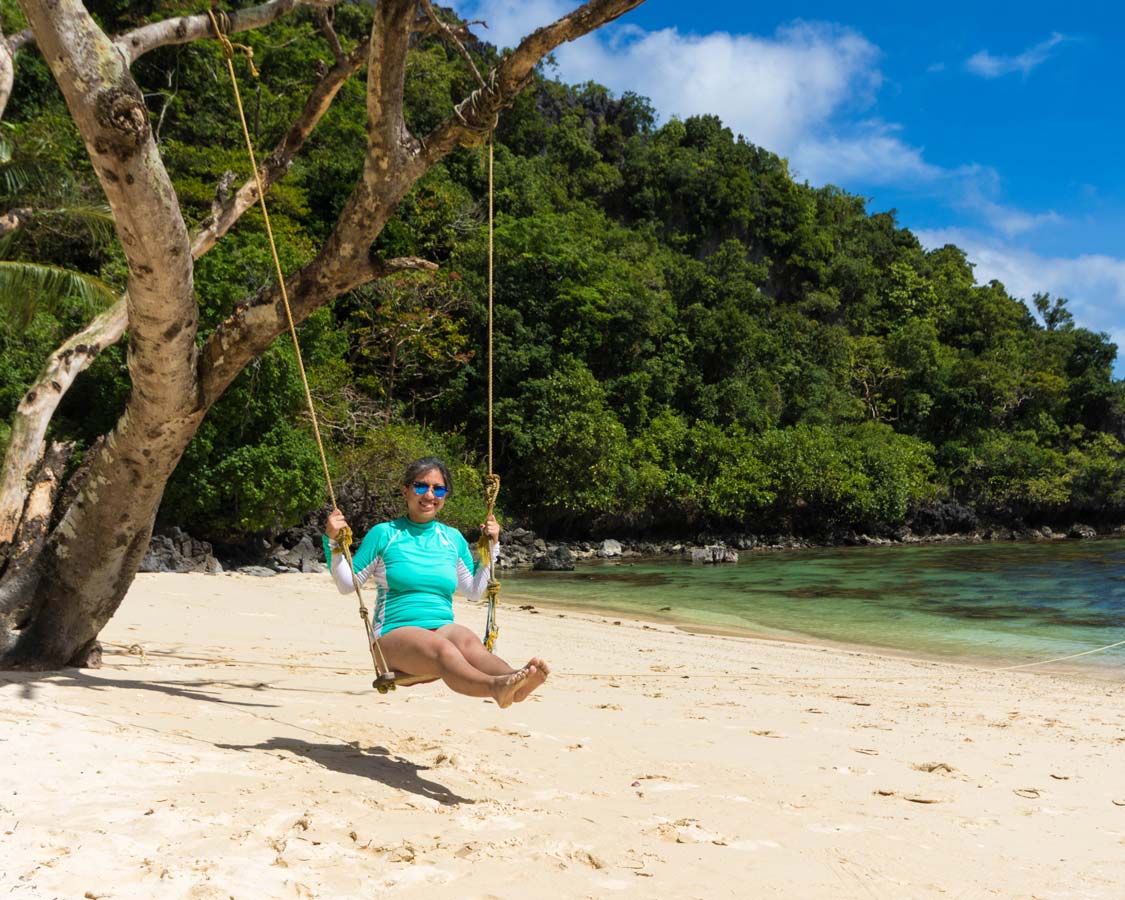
18,176
26,288
95,218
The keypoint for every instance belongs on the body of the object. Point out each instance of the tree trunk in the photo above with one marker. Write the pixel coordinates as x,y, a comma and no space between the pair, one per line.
80,576
7,72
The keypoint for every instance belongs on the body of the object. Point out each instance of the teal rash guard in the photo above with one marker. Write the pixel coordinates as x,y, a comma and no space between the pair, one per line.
416,568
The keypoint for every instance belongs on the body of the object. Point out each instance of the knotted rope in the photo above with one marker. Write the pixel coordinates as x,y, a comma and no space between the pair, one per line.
492,482
221,24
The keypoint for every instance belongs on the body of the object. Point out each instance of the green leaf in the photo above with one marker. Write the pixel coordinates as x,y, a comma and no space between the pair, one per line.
27,287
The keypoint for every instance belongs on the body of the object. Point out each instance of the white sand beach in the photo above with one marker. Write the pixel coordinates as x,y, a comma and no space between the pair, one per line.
231,747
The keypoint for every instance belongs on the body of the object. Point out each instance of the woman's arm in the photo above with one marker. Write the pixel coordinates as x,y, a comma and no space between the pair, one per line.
366,563
473,575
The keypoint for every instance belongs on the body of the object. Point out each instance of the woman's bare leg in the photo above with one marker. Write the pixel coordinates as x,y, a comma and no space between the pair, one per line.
422,652
475,653
473,650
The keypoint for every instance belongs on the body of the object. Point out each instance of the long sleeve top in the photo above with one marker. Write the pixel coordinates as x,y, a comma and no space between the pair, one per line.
416,568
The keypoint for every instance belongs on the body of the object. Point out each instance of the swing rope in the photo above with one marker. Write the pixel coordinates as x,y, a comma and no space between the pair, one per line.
386,678
221,23
492,483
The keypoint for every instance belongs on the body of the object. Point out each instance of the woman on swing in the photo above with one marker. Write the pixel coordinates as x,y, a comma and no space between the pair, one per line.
417,563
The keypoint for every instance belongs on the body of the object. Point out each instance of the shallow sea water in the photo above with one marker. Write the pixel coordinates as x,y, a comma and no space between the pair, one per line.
1006,602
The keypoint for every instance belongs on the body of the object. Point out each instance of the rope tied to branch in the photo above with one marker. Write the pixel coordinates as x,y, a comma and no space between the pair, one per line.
478,112
220,22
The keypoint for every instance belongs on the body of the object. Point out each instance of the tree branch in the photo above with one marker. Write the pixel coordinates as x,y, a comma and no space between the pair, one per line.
385,177
476,115
21,39
395,161
278,162
386,81
185,29
33,415
7,72
254,324
324,19
443,29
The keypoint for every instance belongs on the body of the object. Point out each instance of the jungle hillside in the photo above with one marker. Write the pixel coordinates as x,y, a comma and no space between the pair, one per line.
686,337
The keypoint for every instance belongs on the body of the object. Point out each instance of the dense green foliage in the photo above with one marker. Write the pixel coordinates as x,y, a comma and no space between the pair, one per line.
685,336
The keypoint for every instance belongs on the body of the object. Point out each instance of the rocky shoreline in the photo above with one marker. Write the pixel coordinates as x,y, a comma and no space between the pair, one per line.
299,550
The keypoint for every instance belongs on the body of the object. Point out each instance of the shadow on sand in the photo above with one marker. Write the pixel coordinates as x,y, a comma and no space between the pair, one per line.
376,763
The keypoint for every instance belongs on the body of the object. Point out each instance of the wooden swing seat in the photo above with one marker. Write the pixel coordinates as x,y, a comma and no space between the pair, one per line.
388,681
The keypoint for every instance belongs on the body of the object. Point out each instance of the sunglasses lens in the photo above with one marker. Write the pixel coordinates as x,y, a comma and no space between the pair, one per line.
440,491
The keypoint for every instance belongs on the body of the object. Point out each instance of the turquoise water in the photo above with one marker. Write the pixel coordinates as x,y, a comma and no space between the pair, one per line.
1002,602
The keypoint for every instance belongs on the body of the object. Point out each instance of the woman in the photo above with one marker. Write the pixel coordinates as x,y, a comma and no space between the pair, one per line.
417,563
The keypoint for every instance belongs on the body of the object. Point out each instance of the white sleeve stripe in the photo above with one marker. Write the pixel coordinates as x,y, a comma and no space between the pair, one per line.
377,569
472,586
346,580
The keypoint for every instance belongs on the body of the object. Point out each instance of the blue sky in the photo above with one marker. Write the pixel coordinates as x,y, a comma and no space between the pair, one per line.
999,127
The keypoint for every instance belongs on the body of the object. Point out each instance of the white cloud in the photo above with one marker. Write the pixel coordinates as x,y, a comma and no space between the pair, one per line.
1093,283
975,190
871,154
775,91
874,156
511,20
1010,221
986,65
789,92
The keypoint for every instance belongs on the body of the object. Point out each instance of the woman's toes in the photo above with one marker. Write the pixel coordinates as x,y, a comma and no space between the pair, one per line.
537,675
508,686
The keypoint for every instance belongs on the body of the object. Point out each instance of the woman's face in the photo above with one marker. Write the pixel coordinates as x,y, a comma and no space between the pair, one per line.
424,507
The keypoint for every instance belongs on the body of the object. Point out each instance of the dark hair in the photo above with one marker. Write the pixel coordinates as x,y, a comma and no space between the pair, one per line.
419,466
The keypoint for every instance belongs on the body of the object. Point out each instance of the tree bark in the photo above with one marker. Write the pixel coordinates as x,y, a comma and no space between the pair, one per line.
88,562
29,426
7,72
72,567
185,29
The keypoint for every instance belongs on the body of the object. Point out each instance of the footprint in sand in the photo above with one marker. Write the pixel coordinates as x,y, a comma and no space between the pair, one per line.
565,853
687,831
497,822
910,798
418,874
935,768
826,828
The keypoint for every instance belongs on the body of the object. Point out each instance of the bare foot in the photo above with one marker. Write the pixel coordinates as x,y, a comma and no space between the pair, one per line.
540,672
504,687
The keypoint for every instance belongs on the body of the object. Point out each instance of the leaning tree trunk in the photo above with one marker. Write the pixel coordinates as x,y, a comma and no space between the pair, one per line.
76,550
56,606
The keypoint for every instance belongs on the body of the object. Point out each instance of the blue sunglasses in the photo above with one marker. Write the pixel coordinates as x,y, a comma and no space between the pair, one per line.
440,490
